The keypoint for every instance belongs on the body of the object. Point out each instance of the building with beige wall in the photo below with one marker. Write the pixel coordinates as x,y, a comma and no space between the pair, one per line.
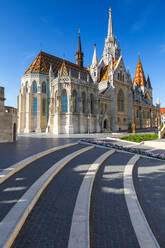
8,121
58,96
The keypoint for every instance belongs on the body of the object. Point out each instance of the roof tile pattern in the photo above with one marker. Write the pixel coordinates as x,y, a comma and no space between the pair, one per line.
105,71
139,78
43,61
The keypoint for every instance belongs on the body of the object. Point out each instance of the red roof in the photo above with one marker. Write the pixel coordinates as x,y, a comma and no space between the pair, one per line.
162,111
139,78
42,63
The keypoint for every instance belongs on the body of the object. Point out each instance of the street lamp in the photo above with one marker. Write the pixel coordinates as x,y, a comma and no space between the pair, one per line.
88,123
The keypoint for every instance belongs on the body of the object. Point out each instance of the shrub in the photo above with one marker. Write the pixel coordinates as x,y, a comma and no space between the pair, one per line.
140,137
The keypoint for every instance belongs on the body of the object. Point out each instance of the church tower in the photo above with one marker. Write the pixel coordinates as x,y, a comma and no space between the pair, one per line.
94,66
79,53
111,48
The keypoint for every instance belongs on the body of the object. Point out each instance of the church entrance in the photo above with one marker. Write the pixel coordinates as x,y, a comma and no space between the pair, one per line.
105,124
14,132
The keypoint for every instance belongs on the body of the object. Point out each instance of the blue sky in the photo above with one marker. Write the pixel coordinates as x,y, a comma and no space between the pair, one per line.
24,25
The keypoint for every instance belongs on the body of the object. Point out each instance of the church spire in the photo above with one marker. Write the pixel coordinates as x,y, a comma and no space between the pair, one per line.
79,53
94,60
110,26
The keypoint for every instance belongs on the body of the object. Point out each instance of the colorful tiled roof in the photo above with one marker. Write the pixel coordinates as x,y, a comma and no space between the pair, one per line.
105,71
162,111
43,61
147,95
139,78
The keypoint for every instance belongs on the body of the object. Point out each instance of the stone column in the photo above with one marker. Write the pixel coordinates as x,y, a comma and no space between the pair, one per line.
113,110
56,127
39,111
80,114
88,111
28,113
70,122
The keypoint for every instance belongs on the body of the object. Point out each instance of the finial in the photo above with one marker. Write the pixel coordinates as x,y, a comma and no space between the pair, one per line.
110,11
139,55
40,47
95,45
79,30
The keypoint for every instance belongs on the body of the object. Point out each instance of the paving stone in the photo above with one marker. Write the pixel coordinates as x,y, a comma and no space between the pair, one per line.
12,189
50,220
149,181
110,224
11,153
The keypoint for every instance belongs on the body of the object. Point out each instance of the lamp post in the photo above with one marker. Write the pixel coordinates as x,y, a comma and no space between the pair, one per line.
88,124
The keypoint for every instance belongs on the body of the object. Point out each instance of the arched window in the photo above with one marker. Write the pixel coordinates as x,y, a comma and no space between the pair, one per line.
34,106
120,101
74,101
44,106
83,102
44,87
64,102
105,124
101,108
92,103
34,87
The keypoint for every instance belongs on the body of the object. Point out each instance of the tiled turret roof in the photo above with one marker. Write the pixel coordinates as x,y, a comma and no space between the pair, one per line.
43,61
139,78
105,71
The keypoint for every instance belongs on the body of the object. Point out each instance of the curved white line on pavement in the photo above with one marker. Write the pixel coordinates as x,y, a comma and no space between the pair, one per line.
14,220
10,171
79,234
141,227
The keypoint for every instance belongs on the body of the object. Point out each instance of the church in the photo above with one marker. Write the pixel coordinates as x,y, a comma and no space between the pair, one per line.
61,97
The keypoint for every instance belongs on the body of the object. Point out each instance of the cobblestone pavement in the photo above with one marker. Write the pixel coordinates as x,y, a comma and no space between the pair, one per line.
149,180
110,224
11,153
49,222
12,189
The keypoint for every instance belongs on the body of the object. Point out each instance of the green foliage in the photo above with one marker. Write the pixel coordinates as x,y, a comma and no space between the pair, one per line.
140,137
161,126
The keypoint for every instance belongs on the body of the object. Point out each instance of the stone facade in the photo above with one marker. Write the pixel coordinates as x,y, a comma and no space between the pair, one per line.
8,121
58,96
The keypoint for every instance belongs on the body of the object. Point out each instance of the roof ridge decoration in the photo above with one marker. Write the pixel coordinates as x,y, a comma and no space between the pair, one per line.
139,78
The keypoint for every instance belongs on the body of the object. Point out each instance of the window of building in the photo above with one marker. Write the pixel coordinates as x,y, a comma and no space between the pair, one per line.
83,102
64,102
120,101
74,101
34,87
44,87
44,106
101,108
118,76
35,106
